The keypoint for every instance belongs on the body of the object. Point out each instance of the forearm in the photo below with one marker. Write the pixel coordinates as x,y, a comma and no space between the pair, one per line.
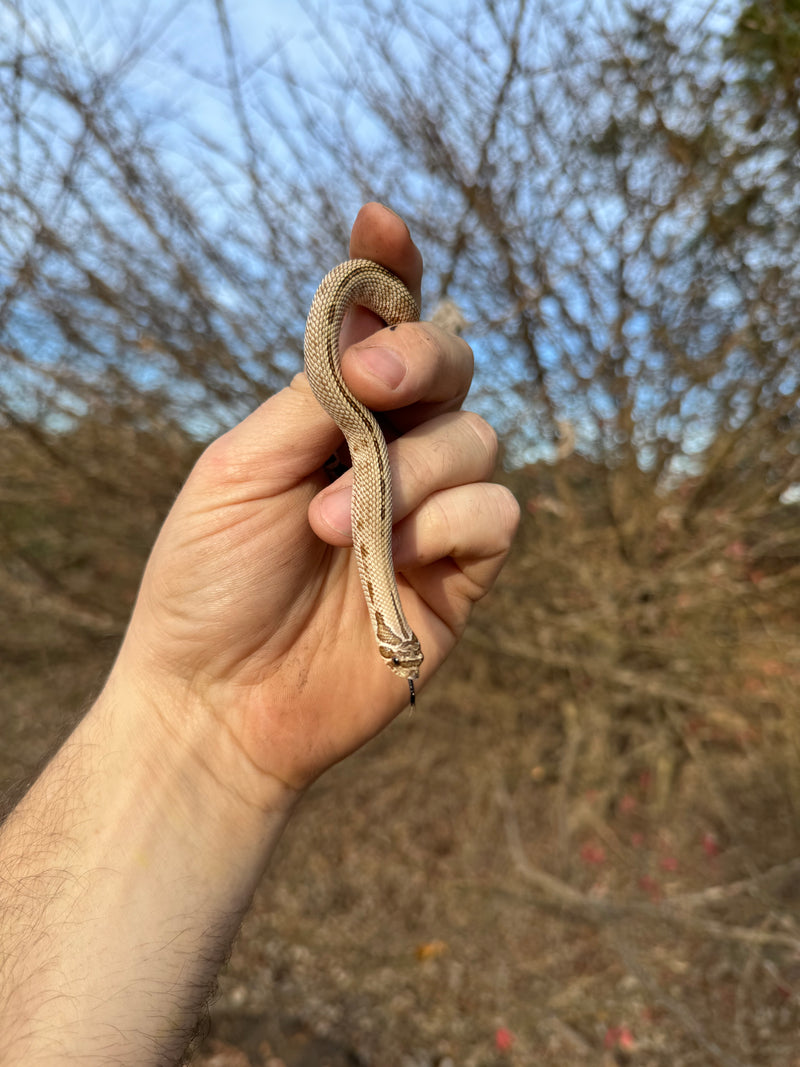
124,875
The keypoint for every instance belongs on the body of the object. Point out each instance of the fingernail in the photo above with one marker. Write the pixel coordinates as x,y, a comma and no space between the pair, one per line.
336,510
384,363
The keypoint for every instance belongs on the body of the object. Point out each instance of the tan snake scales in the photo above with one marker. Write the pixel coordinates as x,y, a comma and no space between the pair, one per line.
365,284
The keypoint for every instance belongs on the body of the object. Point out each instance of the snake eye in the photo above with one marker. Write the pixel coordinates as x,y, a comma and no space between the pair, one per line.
396,661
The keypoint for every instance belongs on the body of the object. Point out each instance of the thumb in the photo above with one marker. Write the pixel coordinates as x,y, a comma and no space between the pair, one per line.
278,445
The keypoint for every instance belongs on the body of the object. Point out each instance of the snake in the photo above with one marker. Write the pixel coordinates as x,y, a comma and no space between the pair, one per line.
362,283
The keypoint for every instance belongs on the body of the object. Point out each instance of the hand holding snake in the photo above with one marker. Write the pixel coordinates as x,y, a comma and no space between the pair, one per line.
252,610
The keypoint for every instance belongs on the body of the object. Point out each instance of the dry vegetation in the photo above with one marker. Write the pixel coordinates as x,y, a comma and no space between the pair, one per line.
584,846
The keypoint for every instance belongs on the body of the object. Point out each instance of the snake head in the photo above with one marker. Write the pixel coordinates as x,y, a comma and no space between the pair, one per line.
404,658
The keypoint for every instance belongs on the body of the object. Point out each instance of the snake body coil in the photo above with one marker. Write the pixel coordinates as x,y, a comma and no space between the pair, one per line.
360,282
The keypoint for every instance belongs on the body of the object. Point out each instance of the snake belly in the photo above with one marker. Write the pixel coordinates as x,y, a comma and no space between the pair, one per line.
360,282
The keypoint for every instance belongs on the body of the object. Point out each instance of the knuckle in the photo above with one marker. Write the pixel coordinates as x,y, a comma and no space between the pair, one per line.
220,462
484,433
508,510
443,342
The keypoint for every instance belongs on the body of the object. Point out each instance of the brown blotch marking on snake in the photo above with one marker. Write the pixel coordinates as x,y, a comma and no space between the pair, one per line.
381,629
364,551
370,590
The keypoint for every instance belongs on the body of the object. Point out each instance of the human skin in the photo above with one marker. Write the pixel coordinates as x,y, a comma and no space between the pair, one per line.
248,668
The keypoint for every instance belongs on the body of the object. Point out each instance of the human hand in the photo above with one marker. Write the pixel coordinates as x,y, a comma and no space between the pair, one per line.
250,626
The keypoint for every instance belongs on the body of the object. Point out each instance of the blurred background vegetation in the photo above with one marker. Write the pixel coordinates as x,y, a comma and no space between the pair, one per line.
585,846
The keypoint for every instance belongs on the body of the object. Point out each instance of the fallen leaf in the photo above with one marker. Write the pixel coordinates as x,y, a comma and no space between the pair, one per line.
429,950
503,1039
